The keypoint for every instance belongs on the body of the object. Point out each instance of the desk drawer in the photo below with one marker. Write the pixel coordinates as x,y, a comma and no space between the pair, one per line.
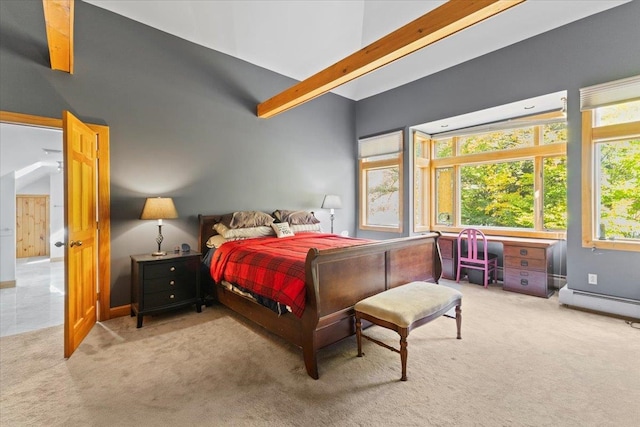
446,248
525,263
524,252
526,282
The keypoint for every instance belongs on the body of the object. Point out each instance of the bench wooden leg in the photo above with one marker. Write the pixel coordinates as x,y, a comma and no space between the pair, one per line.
359,335
459,320
403,352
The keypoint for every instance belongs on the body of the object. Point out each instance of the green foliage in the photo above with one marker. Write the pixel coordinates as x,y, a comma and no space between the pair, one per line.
554,132
502,194
444,148
555,193
498,194
499,140
620,189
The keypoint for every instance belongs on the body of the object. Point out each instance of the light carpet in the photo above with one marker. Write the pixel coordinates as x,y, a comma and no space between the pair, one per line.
522,361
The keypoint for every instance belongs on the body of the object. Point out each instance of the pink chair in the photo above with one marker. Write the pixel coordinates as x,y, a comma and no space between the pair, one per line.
474,259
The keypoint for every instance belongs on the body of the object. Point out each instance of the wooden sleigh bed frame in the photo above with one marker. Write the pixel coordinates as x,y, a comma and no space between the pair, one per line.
336,279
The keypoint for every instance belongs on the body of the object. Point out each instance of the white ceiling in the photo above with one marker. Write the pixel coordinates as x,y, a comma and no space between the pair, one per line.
22,151
298,38
527,107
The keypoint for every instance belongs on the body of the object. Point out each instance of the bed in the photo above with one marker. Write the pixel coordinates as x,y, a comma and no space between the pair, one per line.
335,279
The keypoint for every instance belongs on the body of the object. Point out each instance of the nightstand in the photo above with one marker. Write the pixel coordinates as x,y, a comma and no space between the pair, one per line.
160,283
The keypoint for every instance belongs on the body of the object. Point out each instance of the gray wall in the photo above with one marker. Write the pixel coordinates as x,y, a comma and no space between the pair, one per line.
183,124
598,49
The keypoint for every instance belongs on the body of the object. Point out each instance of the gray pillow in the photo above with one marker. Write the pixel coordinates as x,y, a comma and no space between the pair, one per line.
246,219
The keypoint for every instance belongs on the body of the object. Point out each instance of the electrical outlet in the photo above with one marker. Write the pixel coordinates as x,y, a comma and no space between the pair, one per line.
593,279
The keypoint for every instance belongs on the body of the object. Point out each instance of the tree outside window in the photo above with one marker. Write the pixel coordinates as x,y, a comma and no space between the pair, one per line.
512,179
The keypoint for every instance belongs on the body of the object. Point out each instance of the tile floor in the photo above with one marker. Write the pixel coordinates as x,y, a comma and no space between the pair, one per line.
37,301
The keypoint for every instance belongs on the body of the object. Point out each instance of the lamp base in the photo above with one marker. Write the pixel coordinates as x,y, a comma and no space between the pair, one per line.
160,253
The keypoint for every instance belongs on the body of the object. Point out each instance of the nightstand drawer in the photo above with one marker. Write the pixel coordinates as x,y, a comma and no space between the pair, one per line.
524,252
165,298
168,284
525,281
165,269
525,263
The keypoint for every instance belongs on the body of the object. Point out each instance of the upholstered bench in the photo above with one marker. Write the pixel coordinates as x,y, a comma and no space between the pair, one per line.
404,308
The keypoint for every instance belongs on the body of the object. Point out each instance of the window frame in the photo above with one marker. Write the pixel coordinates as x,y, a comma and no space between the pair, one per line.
538,152
591,137
370,163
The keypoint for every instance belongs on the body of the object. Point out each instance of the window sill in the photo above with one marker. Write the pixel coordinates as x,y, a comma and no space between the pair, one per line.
615,245
509,232
381,228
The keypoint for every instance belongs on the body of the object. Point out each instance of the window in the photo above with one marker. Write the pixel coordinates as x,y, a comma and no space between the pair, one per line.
380,161
507,178
611,165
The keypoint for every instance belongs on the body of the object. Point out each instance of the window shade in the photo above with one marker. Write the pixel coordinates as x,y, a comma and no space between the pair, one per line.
380,145
610,93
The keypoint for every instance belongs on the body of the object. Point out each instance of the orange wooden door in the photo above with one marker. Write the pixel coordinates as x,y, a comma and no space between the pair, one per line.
32,225
81,228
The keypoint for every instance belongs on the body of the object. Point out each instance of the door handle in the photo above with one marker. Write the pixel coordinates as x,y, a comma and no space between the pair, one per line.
59,244
75,243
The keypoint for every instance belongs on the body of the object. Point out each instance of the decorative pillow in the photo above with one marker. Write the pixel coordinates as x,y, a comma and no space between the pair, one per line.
246,219
295,217
282,229
215,241
305,227
242,233
225,219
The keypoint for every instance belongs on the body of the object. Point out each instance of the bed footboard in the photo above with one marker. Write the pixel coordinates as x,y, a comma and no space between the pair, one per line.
336,279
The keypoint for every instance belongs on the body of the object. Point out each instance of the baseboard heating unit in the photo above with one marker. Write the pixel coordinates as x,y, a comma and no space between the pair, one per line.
607,304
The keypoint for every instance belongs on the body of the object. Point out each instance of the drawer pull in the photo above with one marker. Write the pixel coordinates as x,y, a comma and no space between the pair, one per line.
173,282
172,296
523,252
172,269
524,273
524,282
524,263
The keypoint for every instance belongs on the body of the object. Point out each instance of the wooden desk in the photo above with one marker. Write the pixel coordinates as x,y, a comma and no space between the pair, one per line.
527,263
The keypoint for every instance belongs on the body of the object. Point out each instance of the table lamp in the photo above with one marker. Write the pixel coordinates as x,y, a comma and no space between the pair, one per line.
331,201
159,208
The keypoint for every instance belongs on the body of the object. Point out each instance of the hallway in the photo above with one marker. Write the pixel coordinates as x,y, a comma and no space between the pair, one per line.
38,299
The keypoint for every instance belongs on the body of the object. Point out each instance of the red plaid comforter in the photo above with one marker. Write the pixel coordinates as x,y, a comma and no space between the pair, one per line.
273,267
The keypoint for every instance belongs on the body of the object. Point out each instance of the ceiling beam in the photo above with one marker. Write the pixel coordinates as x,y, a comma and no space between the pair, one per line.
58,17
441,22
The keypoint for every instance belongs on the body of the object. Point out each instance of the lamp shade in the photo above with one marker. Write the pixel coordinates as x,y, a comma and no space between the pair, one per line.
331,201
159,208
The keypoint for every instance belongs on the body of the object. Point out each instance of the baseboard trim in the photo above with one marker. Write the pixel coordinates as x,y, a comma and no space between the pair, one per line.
57,259
8,284
624,307
123,310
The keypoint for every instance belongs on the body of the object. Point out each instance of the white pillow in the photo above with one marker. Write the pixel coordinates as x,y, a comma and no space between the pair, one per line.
282,229
297,228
